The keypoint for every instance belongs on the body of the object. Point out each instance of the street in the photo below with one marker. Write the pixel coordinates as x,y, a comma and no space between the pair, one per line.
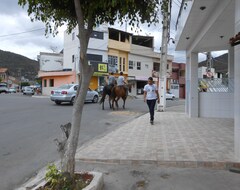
29,125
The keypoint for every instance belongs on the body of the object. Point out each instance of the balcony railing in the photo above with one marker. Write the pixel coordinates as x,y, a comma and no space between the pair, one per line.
216,85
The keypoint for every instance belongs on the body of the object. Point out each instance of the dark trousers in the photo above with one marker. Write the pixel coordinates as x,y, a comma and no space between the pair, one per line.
151,105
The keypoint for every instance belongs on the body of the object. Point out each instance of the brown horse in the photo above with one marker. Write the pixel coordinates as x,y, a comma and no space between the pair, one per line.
120,92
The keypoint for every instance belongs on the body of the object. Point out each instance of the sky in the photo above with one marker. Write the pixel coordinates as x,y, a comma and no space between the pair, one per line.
19,35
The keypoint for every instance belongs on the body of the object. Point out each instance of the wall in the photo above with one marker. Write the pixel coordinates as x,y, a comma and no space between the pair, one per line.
217,105
51,62
58,81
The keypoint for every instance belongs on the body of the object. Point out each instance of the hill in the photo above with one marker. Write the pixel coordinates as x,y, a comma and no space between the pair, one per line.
220,63
19,65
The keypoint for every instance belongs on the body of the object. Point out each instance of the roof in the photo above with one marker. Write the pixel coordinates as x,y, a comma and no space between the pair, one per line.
3,70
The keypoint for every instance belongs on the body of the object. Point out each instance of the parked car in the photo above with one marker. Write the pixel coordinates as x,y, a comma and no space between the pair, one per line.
99,90
67,93
28,90
170,96
3,88
12,90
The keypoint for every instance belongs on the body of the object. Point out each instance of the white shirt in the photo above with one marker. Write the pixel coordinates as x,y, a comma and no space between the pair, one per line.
120,81
151,91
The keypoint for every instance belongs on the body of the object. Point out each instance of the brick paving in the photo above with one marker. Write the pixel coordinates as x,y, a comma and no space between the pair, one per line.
173,140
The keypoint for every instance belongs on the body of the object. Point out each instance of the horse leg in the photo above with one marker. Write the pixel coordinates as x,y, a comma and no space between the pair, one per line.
124,99
110,105
113,99
117,102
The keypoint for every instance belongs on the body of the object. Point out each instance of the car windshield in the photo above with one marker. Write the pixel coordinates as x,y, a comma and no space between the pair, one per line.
65,86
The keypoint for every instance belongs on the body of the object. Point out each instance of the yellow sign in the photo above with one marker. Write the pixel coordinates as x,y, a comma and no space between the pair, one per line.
102,67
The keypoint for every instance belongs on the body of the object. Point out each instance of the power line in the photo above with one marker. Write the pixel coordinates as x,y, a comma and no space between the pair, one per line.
14,34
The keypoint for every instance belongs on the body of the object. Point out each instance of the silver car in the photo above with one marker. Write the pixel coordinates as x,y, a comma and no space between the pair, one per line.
67,93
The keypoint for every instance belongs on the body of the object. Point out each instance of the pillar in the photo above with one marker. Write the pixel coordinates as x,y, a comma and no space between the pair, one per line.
237,85
193,84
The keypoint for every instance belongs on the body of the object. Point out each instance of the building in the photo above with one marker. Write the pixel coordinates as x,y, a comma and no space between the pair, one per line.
53,73
109,51
205,26
177,84
4,74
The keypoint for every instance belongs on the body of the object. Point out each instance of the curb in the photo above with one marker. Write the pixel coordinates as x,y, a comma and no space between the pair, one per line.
177,164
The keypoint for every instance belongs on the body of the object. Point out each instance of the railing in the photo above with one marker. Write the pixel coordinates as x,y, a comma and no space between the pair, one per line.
216,85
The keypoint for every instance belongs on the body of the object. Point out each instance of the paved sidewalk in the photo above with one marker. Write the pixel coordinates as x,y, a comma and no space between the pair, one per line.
173,140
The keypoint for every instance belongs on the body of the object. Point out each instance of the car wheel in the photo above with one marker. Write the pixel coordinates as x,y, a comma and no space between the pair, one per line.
57,102
72,100
95,99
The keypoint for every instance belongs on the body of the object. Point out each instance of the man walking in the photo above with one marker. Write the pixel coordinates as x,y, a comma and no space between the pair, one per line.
151,96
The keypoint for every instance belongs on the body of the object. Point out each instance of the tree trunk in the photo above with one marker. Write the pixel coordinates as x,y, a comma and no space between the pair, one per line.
86,72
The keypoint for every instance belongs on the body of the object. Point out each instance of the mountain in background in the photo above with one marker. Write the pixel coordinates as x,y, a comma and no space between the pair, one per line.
220,63
18,65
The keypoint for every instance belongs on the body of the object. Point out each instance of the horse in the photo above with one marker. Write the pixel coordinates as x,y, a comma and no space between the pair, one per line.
107,90
120,92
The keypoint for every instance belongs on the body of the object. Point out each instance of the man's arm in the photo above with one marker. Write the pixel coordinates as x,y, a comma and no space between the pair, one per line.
158,99
144,96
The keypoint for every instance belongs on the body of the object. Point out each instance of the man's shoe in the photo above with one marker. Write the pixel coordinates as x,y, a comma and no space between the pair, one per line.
151,122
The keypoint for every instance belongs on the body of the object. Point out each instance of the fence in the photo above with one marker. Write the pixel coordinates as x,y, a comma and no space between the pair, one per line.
216,85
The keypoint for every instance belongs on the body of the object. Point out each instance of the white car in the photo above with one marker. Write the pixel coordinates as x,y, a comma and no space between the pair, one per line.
28,90
170,96
67,93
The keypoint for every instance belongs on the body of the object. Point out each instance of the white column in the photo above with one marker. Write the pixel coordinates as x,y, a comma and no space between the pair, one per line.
193,86
187,99
231,62
237,85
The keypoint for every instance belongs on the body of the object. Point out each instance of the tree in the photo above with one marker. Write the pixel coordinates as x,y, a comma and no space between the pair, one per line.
85,14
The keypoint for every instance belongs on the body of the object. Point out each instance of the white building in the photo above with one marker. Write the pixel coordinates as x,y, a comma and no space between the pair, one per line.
50,61
205,26
97,48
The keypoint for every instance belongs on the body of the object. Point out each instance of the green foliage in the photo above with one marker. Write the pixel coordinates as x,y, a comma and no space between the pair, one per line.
52,175
55,13
56,180
25,84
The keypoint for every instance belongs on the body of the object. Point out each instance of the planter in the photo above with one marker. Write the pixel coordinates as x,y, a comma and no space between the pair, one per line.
96,183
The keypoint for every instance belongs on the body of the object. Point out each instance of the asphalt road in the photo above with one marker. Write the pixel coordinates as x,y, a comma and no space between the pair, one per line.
29,125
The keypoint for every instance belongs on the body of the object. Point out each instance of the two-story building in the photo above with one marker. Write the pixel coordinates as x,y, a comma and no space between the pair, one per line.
205,26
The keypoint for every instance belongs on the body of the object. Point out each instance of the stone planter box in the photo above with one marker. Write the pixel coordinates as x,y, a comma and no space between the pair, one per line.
96,183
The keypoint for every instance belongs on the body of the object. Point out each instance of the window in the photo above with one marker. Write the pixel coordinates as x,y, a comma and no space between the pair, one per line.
73,58
112,64
45,83
120,64
73,36
97,35
51,82
124,64
138,65
130,65
167,66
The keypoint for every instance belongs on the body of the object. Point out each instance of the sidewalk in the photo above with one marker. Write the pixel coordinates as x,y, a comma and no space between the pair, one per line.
174,140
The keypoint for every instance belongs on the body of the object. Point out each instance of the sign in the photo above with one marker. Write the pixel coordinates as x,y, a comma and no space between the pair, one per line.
100,68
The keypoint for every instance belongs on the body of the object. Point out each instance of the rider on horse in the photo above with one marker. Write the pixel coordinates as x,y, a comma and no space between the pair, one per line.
122,82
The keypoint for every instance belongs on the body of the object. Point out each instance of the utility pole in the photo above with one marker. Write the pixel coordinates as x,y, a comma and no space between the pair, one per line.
163,58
